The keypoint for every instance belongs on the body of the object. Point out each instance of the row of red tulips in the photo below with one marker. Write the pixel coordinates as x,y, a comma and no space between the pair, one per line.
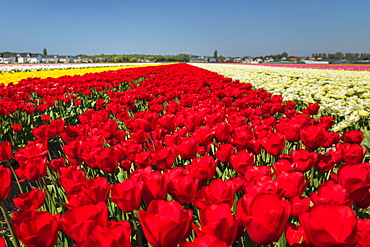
177,155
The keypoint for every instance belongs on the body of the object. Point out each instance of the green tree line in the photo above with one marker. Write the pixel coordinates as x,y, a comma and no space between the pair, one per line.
114,58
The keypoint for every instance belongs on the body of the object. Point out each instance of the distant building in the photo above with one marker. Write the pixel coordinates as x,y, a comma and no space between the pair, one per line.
8,58
269,59
38,58
198,60
86,60
212,60
49,59
237,60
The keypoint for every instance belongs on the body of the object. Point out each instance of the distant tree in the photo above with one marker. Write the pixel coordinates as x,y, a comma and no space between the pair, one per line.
215,54
133,60
44,52
338,55
284,54
221,59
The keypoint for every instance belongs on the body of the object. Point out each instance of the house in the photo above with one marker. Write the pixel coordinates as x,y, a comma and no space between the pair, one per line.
257,60
75,59
237,60
247,60
212,60
34,58
198,60
49,59
21,57
269,59
63,59
8,58
86,60
144,60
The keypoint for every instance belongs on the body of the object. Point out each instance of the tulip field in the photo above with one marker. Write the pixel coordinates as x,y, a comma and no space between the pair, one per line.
178,155
343,91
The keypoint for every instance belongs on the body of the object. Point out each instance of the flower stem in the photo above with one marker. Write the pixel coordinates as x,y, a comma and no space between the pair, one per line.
9,223
138,237
15,176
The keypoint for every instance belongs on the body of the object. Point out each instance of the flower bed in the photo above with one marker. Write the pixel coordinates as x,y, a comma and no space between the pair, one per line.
11,75
12,68
340,93
175,155
356,67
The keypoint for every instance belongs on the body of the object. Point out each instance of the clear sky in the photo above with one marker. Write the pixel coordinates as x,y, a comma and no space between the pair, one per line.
170,27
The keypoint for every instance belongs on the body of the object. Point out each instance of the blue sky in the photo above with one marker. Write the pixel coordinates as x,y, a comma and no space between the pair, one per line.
233,27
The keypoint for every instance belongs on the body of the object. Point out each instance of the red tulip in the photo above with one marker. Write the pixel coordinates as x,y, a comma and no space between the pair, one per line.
274,143
312,109
5,151
115,234
203,168
355,179
218,220
327,122
155,186
41,132
256,173
303,159
312,136
6,180
36,228
363,233
182,188
107,159
32,169
17,127
254,146
353,153
167,121
56,164
326,162
2,242
165,224
204,240
193,120
264,216
109,129
56,127
331,138
224,152
31,200
241,161
73,149
127,195
72,179
296,236
353,136
204,135
331,193
329,225
222,131
292,129
292,183
299,205
188,148
79,222
163,158
240,139
217,192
